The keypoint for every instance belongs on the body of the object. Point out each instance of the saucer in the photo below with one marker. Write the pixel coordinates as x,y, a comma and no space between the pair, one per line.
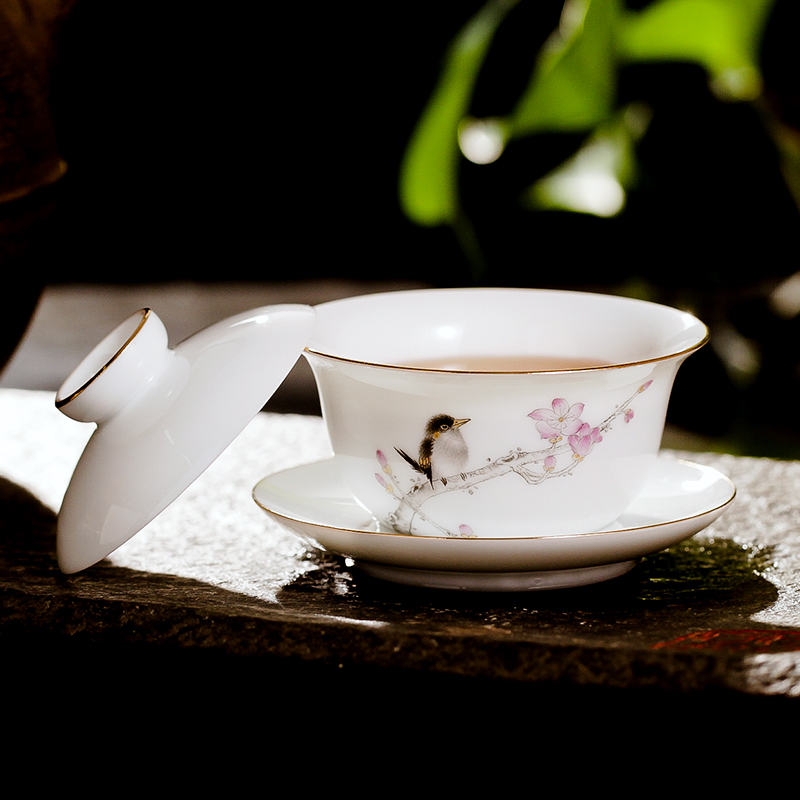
679,499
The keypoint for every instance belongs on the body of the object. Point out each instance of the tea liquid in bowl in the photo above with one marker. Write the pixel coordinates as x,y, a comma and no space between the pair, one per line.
521,363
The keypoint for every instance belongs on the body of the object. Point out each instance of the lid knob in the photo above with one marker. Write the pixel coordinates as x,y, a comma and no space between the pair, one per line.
117,369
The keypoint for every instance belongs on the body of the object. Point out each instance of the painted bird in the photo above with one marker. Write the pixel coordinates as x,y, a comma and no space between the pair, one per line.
442,451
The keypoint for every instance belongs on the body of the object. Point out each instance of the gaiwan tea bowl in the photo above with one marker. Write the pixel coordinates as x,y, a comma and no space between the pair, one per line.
497,412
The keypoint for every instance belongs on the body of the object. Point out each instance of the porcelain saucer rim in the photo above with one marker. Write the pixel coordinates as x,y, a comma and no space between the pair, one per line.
672,521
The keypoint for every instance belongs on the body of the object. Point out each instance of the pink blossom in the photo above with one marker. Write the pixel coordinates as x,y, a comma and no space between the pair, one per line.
386,485
550,463
584,440
562,419
628,415
466,531
383,462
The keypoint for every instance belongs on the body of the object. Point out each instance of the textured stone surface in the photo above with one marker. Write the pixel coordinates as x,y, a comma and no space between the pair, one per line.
213,579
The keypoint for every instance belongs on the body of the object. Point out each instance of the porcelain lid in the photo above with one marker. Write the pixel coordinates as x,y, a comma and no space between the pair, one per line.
163,416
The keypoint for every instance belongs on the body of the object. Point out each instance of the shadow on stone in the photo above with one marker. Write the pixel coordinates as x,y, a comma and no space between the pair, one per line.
335,630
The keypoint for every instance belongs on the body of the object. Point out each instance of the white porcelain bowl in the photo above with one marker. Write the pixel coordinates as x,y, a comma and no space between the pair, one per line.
515,451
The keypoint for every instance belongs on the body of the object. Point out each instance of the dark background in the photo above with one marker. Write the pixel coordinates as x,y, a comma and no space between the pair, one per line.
211,142
259,143
245,142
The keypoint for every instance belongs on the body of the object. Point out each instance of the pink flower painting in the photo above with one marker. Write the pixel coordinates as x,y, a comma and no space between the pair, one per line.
568,440
584,440
561,419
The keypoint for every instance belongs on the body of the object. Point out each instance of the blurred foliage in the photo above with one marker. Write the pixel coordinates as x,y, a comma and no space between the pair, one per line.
573,89
648,147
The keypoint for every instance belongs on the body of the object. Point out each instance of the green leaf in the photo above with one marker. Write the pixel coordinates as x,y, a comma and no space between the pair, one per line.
596,178
573,85
721,35
428,176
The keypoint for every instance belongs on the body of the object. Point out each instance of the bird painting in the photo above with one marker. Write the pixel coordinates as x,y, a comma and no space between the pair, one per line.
442,451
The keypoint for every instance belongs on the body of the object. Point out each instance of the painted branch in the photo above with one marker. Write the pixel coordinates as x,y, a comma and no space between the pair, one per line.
517,461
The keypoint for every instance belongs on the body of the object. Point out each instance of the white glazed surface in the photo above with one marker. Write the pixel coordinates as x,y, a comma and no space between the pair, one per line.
547,452
163,416
678,500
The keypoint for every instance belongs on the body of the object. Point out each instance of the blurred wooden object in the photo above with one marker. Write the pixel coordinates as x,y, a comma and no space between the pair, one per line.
30,163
